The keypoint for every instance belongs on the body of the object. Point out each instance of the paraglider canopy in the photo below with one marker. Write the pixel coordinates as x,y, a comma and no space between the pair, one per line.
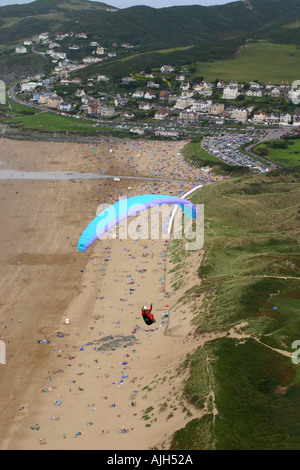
125,208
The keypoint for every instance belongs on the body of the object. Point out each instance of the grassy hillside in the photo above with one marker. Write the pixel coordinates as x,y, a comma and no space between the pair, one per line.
213,35
284,152
19,22
174,26
250,273
178,56
257,395
22,117
257,61
21,66
284,32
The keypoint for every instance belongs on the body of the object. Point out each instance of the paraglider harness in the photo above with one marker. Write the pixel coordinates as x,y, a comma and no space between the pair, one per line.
147,315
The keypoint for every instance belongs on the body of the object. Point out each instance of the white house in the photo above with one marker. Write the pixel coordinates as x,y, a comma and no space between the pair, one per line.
128,115
137,130
206,92
80,93
272,119
138,94
269,86
126,46
294,95
255,85
144,106
60,36
162,114
100,50
285,119
189,116
183,103
187,94
254,92
21,50
167,69
285,86
198,87
30,86
43,36
201,106
296,119
120,100
81,35
231,91
163,133
163,95
107,111
77,81
238,114
91,60
275,92
216,108
203,88
102,78
150,95
185,85
65,107
259,116
153,85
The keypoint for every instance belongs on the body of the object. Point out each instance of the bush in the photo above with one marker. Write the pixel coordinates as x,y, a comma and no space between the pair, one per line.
278,144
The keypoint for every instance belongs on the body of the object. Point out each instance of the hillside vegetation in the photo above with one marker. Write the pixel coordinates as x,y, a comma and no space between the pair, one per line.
256,61
213,40
283,152
174,26
155,59
283,32
250,277
21,66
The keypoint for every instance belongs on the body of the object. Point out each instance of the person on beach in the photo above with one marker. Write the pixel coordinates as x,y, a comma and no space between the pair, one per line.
147,315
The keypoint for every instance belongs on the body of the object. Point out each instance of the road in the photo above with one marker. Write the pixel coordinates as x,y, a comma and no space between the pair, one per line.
227,148
67,175
272,134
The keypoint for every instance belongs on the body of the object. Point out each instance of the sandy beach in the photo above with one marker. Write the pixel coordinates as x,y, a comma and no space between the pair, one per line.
105,380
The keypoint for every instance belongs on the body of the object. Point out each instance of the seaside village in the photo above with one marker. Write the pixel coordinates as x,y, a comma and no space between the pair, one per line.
167,95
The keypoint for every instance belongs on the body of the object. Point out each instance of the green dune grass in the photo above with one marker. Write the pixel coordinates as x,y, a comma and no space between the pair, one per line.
250,275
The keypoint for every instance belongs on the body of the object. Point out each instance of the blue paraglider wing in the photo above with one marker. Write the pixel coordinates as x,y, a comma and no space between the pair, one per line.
125,208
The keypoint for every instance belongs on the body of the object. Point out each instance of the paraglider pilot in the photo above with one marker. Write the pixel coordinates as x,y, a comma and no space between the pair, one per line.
147,315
